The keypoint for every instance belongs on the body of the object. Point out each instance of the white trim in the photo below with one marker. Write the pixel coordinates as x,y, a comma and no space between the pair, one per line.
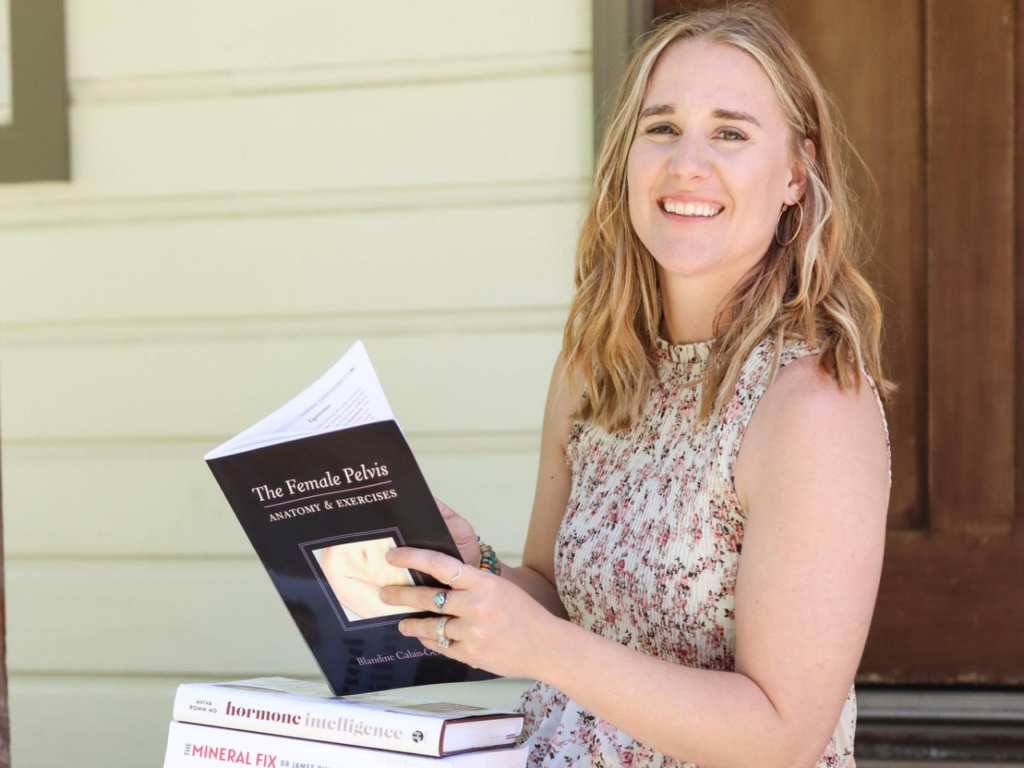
63,205
78,333
378,74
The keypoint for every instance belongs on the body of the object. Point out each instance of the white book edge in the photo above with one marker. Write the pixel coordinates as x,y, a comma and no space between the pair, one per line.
257,707
348,395
190,745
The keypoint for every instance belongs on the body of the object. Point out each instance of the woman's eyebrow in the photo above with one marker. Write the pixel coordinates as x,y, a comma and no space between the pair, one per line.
720,113
657,109
732,114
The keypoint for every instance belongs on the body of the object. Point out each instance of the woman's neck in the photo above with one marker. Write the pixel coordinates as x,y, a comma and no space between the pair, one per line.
688,318
690,304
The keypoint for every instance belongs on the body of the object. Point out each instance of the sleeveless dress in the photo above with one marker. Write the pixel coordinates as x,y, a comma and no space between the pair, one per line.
647,553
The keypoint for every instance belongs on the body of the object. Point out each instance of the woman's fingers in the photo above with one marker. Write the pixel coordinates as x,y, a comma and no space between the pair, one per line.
442,567
462,533
421,598
426,629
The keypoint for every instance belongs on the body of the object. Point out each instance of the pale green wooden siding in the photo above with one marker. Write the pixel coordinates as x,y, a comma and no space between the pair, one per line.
256,185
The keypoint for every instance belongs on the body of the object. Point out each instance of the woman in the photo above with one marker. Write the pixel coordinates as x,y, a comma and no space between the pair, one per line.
713,277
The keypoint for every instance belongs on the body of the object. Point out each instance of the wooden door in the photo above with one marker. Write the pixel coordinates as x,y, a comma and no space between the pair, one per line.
931,94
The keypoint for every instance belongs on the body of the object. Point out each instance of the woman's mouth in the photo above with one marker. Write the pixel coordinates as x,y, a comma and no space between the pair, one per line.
689,211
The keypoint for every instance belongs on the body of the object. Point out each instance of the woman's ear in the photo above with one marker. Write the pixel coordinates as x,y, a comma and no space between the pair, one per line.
799,183
809,146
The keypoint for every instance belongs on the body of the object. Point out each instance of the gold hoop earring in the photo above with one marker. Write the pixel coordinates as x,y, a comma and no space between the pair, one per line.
784,209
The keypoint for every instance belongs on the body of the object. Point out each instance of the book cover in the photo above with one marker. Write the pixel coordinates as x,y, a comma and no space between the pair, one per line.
323,487
194,746
305,710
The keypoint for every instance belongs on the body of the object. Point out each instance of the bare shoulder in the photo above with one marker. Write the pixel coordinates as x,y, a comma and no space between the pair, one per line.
561,403
814,486
806,417
554,477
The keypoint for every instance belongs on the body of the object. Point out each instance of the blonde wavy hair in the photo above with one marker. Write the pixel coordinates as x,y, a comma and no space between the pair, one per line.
809,289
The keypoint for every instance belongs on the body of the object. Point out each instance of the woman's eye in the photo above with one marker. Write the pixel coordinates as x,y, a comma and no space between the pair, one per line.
729,134
658,129
732,132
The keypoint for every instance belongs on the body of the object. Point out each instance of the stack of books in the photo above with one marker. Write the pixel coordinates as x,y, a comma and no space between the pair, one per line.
323,487
277,722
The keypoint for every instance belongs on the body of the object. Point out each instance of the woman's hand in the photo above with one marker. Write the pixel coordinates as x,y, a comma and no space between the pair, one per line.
493,625
463,533
357,571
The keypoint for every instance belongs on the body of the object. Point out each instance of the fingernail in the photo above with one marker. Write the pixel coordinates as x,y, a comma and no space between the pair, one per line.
389,555
401,627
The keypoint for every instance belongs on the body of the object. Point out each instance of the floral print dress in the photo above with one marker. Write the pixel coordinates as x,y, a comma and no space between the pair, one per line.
648,551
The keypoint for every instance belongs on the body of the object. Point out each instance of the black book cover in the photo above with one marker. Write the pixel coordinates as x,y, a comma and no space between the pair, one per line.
320,510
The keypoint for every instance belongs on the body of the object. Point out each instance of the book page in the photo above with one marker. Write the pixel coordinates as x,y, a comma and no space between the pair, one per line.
282,685
348,395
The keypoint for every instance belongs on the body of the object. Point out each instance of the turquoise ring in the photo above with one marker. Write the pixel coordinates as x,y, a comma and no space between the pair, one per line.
441,600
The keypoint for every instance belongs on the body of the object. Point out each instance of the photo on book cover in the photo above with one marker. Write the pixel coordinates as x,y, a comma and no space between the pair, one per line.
351,570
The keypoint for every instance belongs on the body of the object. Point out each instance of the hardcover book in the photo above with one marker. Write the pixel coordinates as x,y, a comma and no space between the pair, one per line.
323,487
193,746
304,710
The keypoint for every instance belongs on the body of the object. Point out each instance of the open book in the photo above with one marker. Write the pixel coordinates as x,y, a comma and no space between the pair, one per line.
323,487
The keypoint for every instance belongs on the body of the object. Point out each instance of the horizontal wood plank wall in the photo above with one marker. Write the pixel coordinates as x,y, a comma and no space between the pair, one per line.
255,186
162,268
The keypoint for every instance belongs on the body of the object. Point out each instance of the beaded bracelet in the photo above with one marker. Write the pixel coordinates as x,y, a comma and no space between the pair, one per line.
488,558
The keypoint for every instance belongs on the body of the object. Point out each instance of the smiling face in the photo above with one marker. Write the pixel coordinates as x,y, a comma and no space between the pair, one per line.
717,148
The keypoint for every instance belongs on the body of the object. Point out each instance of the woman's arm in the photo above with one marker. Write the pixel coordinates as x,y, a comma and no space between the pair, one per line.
536,576
816,488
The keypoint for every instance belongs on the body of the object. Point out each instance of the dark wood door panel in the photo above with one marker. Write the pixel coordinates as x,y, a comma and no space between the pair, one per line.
870,57
949,611
928,91
1018,184
971,272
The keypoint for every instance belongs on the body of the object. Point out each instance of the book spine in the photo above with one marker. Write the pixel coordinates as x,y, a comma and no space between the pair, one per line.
195,746
271,713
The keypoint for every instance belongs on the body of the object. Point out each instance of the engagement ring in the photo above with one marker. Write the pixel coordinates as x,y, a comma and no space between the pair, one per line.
442,638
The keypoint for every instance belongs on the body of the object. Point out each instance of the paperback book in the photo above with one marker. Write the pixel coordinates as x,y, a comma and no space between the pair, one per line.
323,487
194,746
305,710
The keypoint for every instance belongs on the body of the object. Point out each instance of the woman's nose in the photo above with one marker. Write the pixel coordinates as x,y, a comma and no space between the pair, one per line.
690,157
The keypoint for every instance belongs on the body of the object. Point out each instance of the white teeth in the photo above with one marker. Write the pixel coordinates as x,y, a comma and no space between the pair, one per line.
691,209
